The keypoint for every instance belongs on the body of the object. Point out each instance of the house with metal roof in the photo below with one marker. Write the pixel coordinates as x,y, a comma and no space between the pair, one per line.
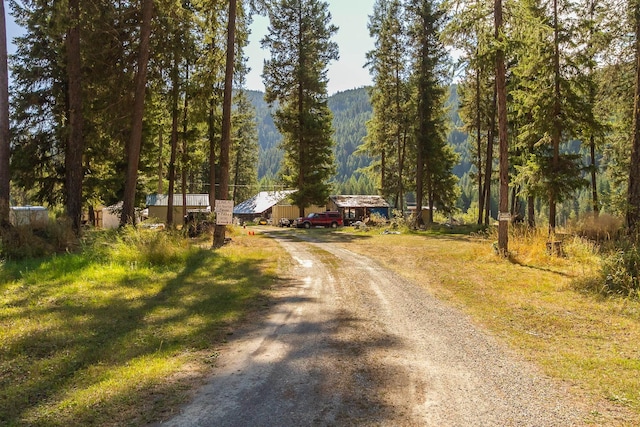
261,205
357,207
159,203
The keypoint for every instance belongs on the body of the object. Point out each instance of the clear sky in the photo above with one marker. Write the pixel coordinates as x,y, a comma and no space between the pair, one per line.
351,16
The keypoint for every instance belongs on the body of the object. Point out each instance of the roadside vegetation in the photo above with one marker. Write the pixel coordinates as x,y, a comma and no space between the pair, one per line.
577,316
121,330
118,332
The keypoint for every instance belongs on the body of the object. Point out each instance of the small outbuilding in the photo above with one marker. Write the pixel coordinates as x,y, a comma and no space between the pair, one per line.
261,205
157,204
29,216
358,207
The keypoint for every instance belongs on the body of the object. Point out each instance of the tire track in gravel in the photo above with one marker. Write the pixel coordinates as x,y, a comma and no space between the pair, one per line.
348,342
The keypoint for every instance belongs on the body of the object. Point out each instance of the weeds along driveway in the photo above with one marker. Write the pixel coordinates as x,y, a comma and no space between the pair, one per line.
350,343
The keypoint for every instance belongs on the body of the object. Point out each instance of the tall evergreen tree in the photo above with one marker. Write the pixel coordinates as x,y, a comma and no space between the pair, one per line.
135,140
5,177
74,173
225,143
295,76
633,192
471,31
390,126
434,161
501,91
244,166
546,101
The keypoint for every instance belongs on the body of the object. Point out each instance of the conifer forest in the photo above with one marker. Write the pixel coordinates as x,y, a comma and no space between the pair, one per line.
477,109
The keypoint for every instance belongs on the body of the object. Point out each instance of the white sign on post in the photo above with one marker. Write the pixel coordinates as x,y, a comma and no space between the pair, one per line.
504,216
224,212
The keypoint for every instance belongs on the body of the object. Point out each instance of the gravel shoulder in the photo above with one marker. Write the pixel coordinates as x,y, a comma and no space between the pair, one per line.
347,342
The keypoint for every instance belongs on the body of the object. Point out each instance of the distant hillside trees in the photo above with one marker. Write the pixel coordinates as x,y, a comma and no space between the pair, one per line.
295,76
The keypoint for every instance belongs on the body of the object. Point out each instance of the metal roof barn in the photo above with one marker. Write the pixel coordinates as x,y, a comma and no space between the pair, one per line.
158,204
198,200
261,202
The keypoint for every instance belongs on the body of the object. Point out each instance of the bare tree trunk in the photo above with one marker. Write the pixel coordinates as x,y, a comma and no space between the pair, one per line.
5,177
225,144
74,174
174,141
160,161
531,212
489,162
556,131
135,141
633,195
185,153
503,219
481,197
594,182
212,154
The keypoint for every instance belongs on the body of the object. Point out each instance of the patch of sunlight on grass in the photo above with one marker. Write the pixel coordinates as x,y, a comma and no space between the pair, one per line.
100,386
85,339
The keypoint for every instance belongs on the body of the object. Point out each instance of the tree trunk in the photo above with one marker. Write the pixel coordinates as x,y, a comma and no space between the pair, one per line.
174,141
633,195
135,140
557,125
212,153
225,144
594,182
489,162
481,196
160,160
503,219
74,174
185,153
5,177
531,212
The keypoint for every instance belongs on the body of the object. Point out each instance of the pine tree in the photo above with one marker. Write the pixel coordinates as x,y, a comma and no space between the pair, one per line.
301,48
547,102
5,177
74,173
390,126
633,193
244,151
470,31
135,139
434,159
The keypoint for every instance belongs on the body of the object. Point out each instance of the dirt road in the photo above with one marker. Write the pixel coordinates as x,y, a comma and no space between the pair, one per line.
349,343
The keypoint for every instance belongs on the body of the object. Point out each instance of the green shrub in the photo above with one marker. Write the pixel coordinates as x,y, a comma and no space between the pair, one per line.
620,270
25,242
131,245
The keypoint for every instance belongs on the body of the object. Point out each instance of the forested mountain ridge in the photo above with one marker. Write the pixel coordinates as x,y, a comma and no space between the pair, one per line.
351,110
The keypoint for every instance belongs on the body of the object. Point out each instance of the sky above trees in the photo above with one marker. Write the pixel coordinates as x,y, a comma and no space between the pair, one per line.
352,38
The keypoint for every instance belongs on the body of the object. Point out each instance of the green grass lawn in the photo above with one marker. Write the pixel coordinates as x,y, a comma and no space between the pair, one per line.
120,333
117,334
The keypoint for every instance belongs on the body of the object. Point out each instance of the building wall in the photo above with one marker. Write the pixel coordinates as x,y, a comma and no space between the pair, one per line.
160,213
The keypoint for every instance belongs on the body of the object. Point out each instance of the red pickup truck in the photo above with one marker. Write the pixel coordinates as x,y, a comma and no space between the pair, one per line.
322,219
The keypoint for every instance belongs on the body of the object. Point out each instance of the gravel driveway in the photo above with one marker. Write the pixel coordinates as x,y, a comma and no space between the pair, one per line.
348,342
